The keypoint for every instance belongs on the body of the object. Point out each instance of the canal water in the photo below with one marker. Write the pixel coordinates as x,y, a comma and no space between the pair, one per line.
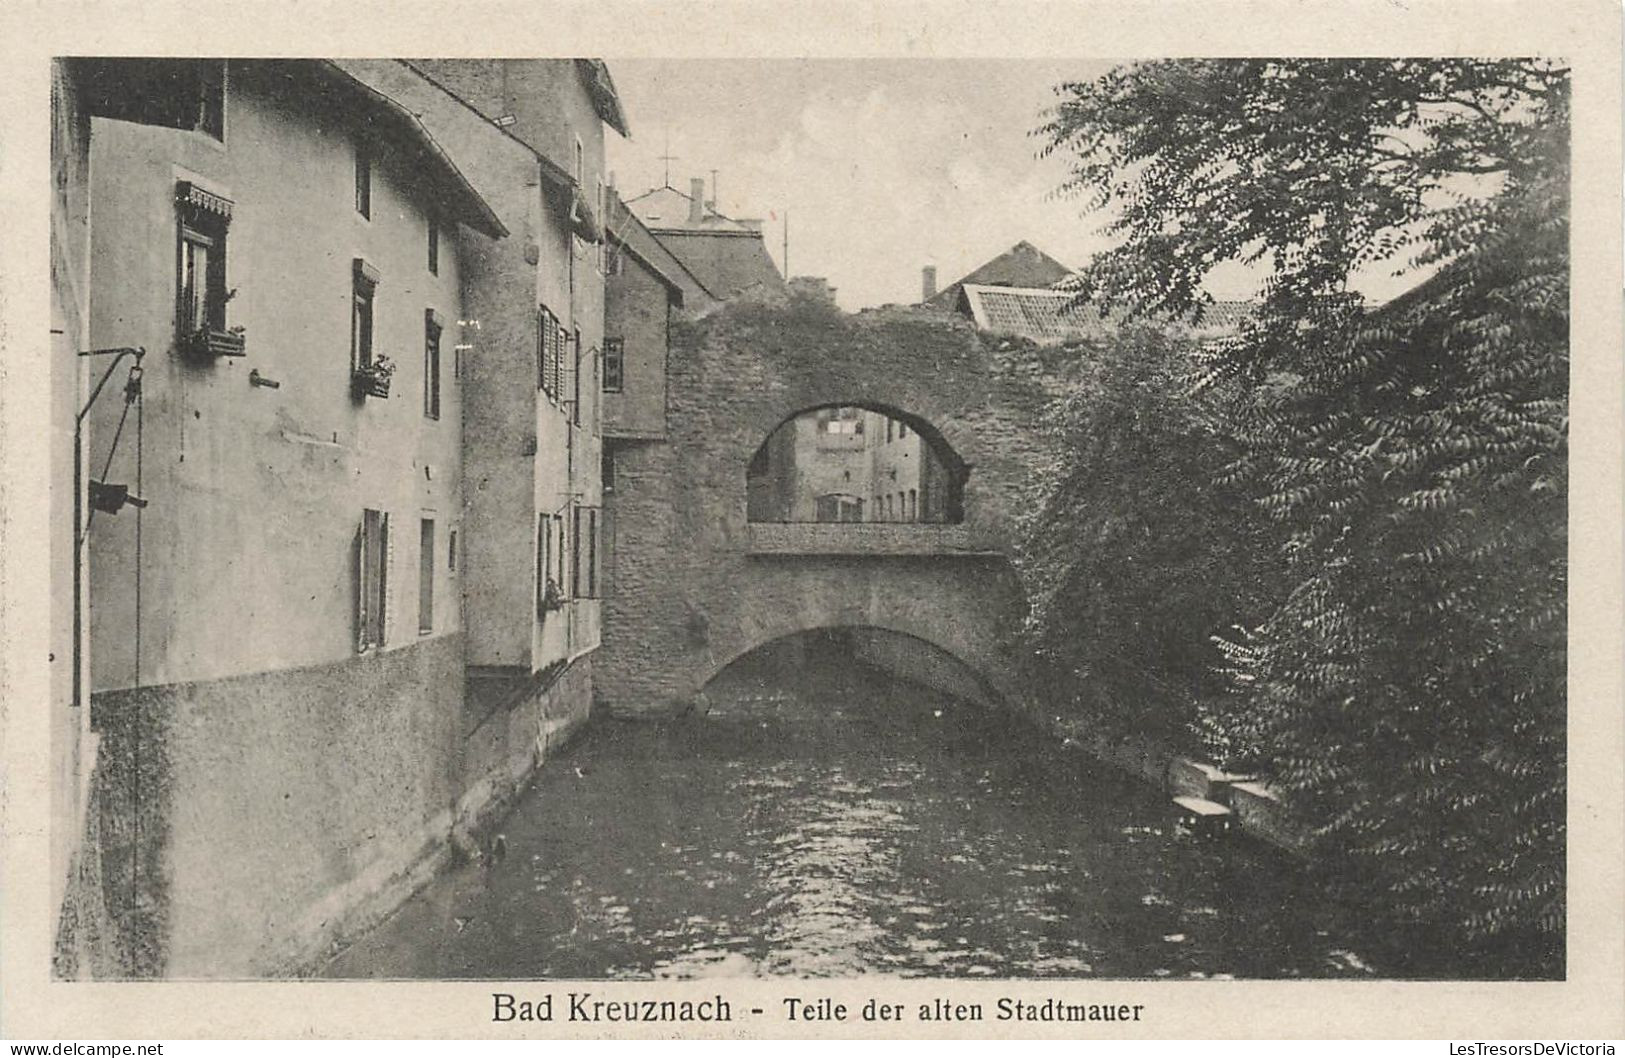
829,821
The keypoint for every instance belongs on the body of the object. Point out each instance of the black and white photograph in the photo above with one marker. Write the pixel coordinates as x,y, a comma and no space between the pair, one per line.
546,523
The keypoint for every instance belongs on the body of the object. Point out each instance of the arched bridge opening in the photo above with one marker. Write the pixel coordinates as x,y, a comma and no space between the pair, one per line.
842,663
770,506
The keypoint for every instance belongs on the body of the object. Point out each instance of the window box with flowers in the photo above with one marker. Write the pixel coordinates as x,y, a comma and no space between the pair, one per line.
206,344
372,379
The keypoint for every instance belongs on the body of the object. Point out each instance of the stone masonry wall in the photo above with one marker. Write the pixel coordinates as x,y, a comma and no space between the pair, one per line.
690,596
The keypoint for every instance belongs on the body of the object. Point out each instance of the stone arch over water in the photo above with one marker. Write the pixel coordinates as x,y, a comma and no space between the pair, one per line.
695,583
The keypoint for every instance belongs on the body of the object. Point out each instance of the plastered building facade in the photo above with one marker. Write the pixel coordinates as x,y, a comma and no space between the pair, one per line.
341,558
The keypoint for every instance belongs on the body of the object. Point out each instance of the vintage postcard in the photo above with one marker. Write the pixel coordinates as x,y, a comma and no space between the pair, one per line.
968,520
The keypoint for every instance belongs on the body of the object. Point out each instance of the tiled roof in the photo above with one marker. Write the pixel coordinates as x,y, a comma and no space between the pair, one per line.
1046,314
1023,265
1037,313
727,263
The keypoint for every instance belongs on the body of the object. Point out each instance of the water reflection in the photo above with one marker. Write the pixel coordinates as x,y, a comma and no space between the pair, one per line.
836,830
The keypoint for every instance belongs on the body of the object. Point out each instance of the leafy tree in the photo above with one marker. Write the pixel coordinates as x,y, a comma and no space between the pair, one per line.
1135,554
1409,691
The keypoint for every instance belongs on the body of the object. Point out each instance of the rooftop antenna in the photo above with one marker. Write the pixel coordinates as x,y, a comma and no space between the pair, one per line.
668,158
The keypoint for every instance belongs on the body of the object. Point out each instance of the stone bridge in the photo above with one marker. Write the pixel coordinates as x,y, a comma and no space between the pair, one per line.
694,585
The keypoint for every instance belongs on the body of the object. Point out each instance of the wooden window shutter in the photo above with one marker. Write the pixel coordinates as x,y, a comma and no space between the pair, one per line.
363,585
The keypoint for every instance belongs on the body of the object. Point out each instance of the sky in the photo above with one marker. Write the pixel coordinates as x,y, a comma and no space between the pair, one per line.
882,166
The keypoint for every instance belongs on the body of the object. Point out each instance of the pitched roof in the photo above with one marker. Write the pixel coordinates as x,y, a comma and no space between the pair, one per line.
727,256
1023,265
115,88
551,172
629,235
1039,313
668,209
1047,314
595,75
468,205
727,263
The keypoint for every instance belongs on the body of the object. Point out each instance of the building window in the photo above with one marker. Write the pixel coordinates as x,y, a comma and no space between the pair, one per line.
549,352
839,507
211,98
434,247
584,566
197,256
431,365
602,248
363,180
913,505
847,421
575,378
558,552
185,94
606,469
372,571
451,551
202,283
200,287
425,576
543,563
614,364
364,286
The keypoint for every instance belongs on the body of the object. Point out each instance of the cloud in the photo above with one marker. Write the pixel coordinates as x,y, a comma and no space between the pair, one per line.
879,176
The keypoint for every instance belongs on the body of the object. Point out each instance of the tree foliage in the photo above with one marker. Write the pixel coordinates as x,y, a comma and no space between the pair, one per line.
1409,690
1134,553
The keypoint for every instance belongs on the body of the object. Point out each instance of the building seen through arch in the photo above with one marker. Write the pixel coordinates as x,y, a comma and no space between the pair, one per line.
845,463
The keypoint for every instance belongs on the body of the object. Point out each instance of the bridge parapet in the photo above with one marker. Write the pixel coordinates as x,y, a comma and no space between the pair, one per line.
695,584
867,538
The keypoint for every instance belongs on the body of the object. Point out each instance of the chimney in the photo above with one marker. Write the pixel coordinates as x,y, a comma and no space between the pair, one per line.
696,200
928,282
